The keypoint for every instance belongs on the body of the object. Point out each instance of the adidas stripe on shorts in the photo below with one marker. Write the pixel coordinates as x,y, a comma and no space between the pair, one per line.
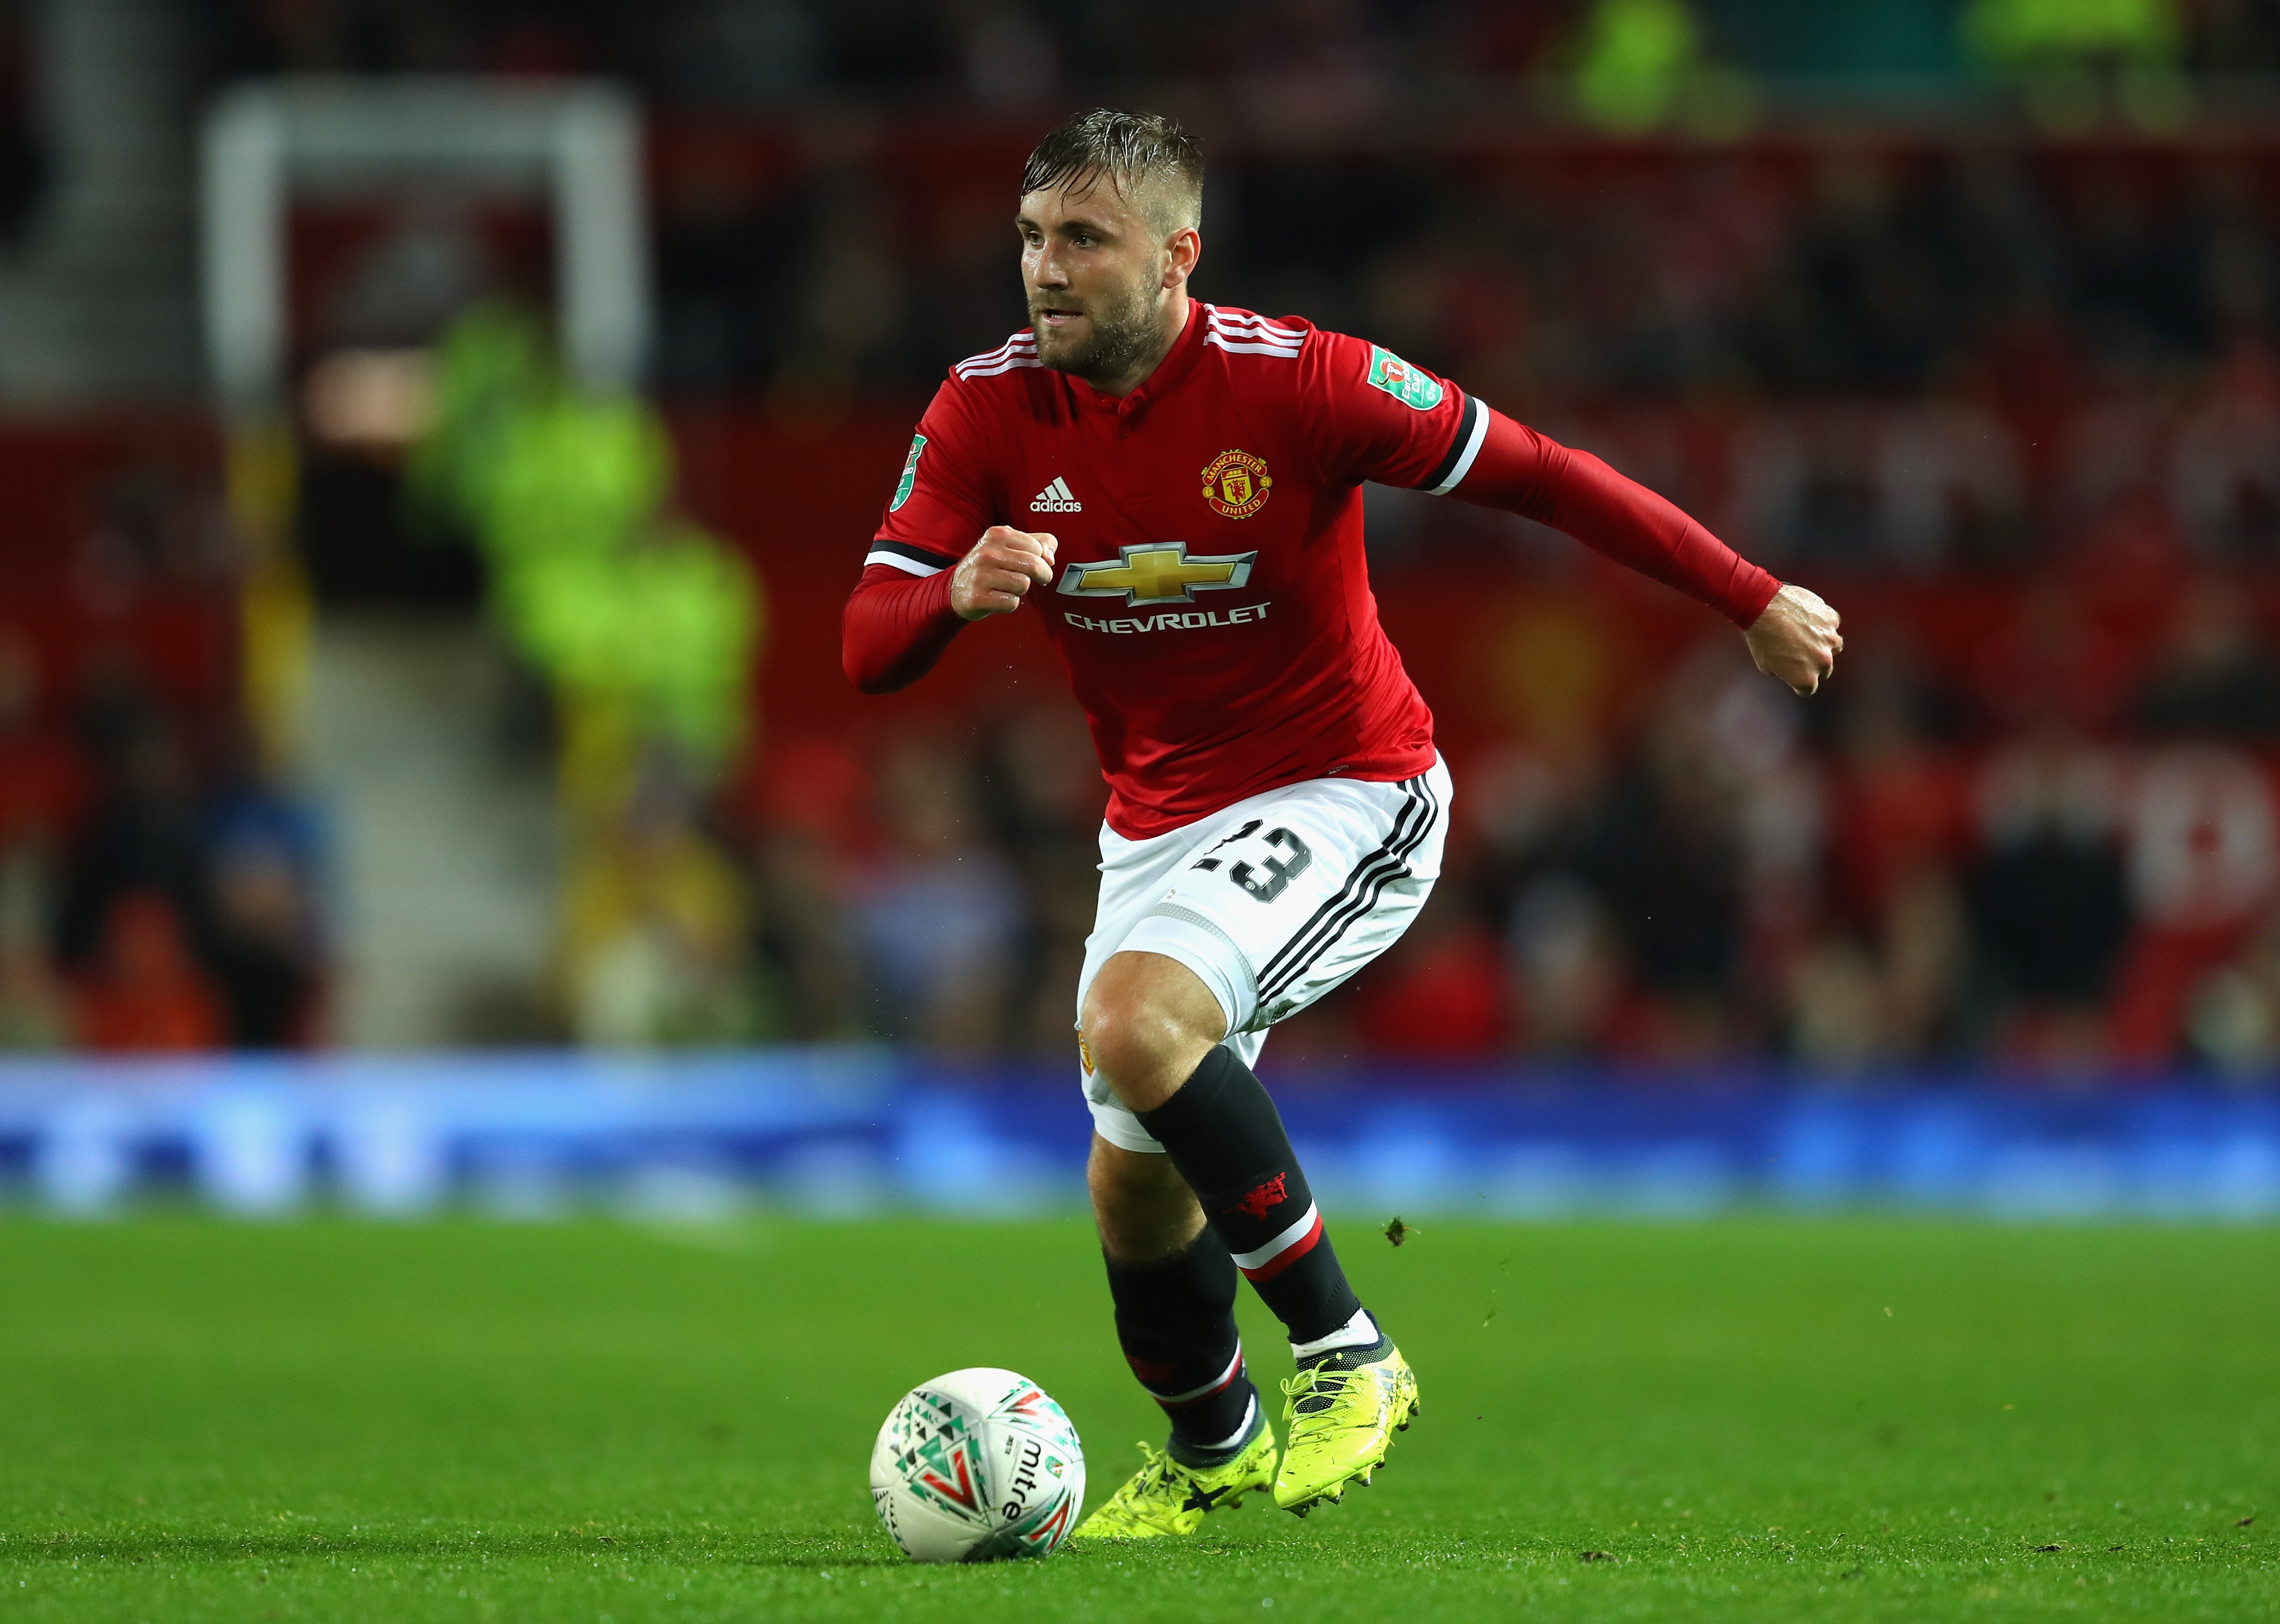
1273,902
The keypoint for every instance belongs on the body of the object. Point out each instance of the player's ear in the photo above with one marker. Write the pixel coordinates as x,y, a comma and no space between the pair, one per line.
1180,253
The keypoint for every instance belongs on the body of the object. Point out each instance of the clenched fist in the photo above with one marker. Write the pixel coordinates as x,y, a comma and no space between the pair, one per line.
993,578
1795,639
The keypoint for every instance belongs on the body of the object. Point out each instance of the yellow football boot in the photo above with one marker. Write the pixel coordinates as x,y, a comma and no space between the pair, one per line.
1341,1420
1165,1497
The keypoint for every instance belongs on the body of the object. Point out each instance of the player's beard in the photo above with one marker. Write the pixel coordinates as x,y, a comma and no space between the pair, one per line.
1116,335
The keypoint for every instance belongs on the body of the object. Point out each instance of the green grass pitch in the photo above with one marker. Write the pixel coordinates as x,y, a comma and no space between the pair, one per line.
1756,1420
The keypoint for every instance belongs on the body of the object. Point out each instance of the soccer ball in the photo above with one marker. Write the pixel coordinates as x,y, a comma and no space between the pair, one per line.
975,1466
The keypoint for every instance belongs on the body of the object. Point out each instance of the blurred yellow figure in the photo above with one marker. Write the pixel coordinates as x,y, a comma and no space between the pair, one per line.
650,642
573,472
644,627
2068,54
1637,57
2022,33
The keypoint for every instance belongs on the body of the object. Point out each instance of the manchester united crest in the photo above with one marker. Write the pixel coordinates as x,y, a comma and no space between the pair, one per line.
1236,484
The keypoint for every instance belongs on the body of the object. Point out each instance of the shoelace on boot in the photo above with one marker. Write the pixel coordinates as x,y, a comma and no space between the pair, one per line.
1315,1388
1156,1466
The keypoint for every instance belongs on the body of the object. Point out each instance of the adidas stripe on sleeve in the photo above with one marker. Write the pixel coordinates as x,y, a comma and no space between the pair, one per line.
1239,333
1019,350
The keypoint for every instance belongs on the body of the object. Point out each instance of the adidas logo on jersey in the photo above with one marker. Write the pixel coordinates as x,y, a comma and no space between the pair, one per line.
1055,498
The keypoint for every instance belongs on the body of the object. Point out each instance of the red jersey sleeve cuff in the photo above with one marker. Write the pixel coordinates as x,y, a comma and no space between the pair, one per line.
895,628
1753,589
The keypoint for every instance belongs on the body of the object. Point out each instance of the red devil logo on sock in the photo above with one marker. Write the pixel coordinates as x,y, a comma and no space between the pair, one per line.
1255,1202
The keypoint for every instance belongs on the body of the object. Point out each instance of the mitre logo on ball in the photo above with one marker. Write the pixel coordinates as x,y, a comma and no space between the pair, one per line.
977,1465
1235,484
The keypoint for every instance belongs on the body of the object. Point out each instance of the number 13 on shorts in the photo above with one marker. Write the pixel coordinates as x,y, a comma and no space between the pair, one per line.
1287,857
1288,893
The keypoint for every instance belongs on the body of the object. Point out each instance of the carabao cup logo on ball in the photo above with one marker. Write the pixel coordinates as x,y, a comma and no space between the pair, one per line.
976,1465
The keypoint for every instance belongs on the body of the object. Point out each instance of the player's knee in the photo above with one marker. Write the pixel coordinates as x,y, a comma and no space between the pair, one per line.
1145,1027
1136,1049
1117,1035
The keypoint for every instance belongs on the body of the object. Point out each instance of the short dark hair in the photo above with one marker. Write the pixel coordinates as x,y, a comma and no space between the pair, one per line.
1139,152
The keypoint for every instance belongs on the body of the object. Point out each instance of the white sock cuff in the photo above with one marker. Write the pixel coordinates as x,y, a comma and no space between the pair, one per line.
1249,1409
1358,1332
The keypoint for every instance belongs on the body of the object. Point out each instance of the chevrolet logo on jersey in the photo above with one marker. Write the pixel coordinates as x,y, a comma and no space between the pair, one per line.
1157,572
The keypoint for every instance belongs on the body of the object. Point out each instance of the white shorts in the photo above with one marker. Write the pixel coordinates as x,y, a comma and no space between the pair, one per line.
1272,902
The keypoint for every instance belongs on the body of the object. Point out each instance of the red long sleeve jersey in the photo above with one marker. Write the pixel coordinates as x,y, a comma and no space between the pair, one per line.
1211,600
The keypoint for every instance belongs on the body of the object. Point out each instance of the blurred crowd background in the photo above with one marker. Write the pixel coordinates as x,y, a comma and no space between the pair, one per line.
1962,313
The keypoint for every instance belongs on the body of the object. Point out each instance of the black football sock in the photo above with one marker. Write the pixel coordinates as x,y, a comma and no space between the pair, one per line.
1175,1321
1226,1137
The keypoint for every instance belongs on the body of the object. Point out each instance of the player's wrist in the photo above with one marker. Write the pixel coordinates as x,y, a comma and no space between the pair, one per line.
945,594
1753,597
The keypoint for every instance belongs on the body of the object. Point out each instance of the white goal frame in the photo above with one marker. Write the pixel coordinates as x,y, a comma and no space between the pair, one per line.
576,144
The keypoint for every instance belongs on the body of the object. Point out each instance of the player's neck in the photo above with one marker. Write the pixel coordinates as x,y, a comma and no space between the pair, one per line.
1172,321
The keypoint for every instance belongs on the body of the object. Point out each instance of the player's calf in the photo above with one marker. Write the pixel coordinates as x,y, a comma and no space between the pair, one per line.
1175,1322
1225,1136
1173,1287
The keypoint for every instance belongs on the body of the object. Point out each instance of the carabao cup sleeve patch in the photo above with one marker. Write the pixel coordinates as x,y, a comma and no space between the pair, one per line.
1420,391
911,471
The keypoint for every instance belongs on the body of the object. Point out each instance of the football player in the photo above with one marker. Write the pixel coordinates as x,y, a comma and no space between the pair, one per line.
1176,487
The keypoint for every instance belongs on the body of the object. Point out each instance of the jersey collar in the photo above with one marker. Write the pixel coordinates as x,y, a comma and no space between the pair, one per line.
1178,362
